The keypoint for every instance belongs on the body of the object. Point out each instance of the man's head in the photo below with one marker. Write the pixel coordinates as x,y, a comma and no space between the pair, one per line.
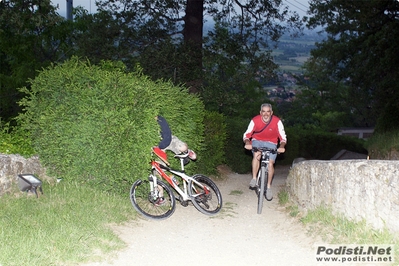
266,111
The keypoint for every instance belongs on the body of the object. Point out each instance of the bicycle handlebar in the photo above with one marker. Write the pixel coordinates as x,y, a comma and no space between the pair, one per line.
265,149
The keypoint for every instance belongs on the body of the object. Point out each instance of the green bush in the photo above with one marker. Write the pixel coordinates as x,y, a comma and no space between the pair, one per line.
96,123
237,158
314,144
388,120
14,140
215,141
383,145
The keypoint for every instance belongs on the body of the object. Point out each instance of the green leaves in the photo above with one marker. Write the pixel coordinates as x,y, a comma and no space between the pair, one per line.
360,54
95,123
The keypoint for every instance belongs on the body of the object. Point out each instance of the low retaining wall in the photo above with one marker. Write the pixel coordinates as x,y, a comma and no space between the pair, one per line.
358,189
13,165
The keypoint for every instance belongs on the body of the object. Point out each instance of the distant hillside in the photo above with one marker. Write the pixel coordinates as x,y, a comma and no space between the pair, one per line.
291,53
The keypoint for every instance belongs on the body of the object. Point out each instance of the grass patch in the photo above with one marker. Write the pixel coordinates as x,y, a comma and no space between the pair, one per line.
383,143
66,225
339,229
283,197
293,210
336,229
226,211
236,192
284,200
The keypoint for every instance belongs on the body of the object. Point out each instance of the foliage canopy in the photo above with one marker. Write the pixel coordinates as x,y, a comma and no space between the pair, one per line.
358,60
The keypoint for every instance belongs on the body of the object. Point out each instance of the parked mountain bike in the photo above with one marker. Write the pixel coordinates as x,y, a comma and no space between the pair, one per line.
262,175
155,199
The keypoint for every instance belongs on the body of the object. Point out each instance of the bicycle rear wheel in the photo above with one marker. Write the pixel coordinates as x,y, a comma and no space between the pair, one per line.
146,201
261,188
205,195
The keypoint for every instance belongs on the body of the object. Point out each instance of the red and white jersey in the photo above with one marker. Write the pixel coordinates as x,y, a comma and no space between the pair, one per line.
272,133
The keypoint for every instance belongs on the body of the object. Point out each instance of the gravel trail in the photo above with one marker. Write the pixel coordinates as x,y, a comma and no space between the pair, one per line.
236,236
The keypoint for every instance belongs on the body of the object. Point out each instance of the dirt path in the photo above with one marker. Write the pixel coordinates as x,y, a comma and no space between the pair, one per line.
236,236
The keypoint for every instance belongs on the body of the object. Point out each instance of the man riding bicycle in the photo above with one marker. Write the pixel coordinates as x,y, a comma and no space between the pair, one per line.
265,130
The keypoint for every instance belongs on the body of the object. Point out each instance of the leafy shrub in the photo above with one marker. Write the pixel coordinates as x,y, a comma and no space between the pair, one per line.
313,144
13,140
388,120
215,140
237,158
383,145
96,123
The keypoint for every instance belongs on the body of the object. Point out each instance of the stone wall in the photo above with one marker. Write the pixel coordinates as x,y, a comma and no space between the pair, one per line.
358,189
12,165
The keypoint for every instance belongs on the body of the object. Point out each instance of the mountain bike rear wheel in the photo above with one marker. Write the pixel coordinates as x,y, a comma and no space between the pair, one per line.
205,195
147,201
261,188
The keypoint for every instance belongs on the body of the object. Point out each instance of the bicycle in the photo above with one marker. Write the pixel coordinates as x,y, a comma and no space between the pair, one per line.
262,174
155,199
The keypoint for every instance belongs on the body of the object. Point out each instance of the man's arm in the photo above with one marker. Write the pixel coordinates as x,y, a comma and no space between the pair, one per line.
281,148
282,136
247,144
247,135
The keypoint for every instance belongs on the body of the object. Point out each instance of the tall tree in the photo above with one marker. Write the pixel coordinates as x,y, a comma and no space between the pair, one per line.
30,39
153,27
360,53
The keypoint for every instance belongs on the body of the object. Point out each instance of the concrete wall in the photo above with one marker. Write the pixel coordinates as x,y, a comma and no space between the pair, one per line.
358,189
12,165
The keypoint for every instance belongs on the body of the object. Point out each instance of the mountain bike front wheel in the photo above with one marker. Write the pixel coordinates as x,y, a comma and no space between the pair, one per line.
155,203
261,188
205,195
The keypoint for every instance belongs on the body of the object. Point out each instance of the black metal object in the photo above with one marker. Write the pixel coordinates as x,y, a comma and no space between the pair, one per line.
29,183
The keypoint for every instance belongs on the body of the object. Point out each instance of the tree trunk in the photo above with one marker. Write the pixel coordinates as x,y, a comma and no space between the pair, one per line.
193,40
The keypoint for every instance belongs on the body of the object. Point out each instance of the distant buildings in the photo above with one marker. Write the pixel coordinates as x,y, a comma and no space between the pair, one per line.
285,91
359,132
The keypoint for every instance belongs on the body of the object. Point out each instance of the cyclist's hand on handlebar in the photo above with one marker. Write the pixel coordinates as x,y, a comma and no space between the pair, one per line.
248,146
280,150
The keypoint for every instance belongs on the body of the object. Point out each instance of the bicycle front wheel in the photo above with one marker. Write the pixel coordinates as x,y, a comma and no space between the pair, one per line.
261,188
147,200
205,195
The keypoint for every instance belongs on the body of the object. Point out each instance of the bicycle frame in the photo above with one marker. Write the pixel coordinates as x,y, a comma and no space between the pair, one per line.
263,173
155,196
264,160
161,168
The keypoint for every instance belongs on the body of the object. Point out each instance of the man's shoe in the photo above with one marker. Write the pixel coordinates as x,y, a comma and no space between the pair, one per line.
160,201
252,183
269,194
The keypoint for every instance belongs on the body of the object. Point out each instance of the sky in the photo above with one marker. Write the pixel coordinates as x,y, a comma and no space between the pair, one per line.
296,5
